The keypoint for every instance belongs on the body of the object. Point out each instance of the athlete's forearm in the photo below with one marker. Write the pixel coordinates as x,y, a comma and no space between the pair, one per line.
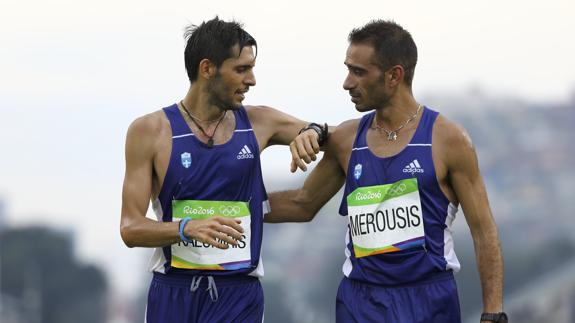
490,266
287,206
146,232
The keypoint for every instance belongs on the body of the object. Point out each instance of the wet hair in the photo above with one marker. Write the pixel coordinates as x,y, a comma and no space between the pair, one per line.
213,40
393,45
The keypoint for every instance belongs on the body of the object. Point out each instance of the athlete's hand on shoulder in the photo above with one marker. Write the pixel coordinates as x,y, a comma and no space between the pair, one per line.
217,230
304,148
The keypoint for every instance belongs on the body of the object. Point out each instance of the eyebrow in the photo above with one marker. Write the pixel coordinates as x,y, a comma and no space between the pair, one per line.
354,66
245,65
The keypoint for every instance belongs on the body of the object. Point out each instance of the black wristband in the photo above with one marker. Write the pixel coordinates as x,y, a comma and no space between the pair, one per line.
500,317
322,131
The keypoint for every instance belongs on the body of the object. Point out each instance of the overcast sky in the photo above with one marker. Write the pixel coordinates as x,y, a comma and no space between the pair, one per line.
74,74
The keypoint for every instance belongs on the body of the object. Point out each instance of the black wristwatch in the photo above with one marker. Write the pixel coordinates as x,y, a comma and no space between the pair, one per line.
494,317
322,131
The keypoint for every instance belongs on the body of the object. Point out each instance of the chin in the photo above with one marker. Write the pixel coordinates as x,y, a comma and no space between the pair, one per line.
361,108
235,105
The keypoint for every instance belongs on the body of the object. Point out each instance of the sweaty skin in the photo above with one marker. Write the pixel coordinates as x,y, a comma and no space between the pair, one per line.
149,144
453,153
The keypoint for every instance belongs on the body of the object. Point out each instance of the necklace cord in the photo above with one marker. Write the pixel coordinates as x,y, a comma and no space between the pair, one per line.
392,135
193,118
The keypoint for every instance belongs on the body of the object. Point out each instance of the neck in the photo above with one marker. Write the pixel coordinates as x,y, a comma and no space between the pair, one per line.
197,104
396,112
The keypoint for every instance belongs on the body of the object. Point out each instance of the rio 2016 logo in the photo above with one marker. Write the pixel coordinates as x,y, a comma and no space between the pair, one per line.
198,210
367,196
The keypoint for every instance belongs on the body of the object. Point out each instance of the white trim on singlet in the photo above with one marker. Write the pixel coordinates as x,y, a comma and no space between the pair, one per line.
347,266
182,136
360,148
191,134
448,250
157,261
259,271
419,145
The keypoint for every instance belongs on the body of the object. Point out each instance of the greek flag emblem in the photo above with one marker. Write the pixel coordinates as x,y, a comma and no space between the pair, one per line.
357,171
186,159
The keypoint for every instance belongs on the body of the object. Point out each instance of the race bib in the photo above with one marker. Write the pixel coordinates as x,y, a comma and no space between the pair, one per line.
202,256
385,218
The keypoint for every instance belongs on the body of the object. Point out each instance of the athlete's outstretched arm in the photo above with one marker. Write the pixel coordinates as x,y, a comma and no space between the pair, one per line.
302,205
468,185
135,228
274,127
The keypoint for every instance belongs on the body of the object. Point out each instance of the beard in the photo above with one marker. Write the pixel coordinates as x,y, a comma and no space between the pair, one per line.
218,94
378,98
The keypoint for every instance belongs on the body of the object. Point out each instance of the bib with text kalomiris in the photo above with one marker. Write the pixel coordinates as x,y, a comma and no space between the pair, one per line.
202,256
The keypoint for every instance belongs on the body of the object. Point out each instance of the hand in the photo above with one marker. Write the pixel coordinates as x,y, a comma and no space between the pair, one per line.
304,147
225,229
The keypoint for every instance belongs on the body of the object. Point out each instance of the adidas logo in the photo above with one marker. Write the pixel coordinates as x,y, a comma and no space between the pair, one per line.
245,153
413,167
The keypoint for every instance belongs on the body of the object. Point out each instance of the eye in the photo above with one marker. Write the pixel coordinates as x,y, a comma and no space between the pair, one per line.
242,69
356,71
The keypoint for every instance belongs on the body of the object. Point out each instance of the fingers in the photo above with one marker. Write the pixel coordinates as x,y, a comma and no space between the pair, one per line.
296,160
230,232
309,150
224,237
304,148
216,243
302,152
315,145
230,222
218,231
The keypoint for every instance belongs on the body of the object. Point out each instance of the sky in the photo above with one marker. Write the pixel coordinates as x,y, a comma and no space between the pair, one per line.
75,74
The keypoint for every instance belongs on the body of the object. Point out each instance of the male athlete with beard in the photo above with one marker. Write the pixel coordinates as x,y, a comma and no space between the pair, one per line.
199,162
406,170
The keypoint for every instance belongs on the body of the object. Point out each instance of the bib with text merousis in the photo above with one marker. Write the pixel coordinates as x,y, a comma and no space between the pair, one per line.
202,256
385,218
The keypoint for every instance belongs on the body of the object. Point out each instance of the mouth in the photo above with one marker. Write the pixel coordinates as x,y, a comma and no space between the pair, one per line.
354,97
241,93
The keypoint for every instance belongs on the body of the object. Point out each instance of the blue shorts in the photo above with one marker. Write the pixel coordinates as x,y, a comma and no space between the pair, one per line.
433,301
191,299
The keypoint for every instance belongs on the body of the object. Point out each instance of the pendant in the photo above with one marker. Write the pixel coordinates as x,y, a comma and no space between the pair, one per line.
210,142
392,136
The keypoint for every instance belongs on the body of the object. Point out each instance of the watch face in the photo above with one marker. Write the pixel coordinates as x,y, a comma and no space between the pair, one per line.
502,318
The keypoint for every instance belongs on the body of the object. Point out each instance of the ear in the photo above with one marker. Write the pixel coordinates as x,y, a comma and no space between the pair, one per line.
207,69
395,75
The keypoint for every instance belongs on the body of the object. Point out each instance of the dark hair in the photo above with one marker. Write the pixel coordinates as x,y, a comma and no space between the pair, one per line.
393,45
214,40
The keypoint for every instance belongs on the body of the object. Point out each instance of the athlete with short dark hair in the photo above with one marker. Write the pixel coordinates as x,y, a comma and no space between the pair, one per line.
198,160
406,169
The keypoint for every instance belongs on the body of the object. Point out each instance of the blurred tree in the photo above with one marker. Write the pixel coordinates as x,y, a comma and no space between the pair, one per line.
39,270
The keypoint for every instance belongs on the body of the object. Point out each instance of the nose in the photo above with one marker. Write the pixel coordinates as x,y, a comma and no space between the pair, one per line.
250,79
349,82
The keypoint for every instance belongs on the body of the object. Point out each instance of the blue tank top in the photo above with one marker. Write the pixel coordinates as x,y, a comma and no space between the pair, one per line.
224,180
417,257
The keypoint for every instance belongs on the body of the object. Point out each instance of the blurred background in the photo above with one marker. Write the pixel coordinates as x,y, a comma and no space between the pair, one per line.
75,74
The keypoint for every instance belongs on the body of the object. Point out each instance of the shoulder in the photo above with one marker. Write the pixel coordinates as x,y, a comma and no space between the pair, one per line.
147,130
149,124
343,136
345,129
452,141
449,133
